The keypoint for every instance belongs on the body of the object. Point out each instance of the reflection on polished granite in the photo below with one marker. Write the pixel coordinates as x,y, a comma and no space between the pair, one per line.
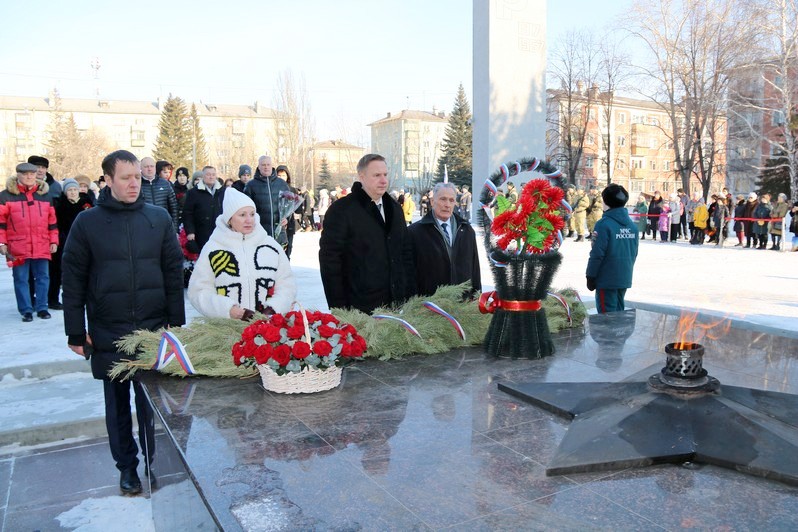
430,442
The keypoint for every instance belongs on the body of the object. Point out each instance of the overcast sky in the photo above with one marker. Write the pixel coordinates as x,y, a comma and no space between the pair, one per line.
359,58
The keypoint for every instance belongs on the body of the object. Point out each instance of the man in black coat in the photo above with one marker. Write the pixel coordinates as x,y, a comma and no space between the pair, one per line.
203,205
365,253
123,267
264,189
444,245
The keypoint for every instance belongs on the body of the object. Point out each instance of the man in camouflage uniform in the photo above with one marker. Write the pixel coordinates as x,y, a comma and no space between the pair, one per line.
570,194
580,205
594,210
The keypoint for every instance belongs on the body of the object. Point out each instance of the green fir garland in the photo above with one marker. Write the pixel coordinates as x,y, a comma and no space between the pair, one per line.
208,341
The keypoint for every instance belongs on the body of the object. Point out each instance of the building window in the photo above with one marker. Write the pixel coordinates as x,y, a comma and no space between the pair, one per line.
778,118
666,165
238,126
621,164
653,165
652,143
589,162
621,118
621,140
137,138
637,163
653,121
637,185
591,139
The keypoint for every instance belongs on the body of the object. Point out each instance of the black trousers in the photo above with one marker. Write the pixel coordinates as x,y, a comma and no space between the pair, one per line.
119,422
54,293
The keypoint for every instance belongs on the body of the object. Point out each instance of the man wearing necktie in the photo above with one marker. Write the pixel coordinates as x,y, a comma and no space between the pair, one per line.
365,255
444,245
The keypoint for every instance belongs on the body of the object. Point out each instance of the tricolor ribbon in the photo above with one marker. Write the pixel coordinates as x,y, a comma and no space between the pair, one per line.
505,173
404,323
517,168
567,206
170,349
564,302
438,310
534,165
170,404
559,237
491,186
489,302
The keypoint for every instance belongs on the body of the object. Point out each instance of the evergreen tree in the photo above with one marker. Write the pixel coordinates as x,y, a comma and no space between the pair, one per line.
175,137
457,149
56,144
325,177
200,149
775,177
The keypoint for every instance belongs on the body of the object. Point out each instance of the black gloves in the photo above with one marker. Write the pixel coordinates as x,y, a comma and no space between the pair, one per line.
591,283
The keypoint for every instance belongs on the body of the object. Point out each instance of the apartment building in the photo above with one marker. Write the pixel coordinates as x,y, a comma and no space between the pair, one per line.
411,142
637,143
234,134
756,122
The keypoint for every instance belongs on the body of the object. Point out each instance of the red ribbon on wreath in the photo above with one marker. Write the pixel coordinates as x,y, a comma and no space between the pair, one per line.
489,302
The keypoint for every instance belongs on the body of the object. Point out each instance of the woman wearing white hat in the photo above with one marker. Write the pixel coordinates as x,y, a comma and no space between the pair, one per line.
241,269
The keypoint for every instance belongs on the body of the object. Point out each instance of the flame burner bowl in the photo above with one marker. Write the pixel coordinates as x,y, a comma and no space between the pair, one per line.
684,371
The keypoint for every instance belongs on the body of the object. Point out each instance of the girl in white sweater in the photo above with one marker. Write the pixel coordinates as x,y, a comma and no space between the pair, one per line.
241,269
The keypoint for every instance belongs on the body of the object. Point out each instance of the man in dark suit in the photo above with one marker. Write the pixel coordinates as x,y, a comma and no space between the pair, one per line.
365,254
444,245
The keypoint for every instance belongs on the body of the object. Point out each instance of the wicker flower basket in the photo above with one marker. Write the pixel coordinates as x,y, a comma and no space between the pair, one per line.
309,380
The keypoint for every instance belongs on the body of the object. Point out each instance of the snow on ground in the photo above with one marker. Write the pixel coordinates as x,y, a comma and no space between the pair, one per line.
108,513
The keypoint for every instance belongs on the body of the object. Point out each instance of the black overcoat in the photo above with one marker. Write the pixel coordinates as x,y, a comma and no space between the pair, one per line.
365,262
437,263
200,212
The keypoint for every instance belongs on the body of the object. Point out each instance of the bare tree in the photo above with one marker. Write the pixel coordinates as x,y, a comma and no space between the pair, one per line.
764,102
695,45
613,71
295,128
574,69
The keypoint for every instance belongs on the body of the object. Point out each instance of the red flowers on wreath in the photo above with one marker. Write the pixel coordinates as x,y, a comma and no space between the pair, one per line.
531,224
282,343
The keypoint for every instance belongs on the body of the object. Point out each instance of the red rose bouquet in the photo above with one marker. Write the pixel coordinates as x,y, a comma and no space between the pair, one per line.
291,342
532,223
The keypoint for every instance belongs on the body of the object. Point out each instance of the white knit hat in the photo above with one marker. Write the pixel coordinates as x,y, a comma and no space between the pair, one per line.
233,201
752,196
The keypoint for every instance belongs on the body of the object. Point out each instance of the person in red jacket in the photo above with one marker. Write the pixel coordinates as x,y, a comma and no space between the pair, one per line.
28,237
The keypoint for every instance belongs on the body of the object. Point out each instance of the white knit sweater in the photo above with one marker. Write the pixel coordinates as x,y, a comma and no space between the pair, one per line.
249,270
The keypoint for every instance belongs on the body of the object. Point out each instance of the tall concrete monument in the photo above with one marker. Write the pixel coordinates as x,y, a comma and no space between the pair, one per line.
509,84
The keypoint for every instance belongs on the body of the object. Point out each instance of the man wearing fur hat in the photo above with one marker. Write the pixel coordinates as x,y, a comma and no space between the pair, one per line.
28,238
42,165
614,251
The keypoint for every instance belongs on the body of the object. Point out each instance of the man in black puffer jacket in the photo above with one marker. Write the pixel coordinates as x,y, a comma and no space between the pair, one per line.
264,189
158,191
122,265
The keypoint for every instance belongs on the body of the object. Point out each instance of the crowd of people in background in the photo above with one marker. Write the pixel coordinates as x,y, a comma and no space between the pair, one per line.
753,219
